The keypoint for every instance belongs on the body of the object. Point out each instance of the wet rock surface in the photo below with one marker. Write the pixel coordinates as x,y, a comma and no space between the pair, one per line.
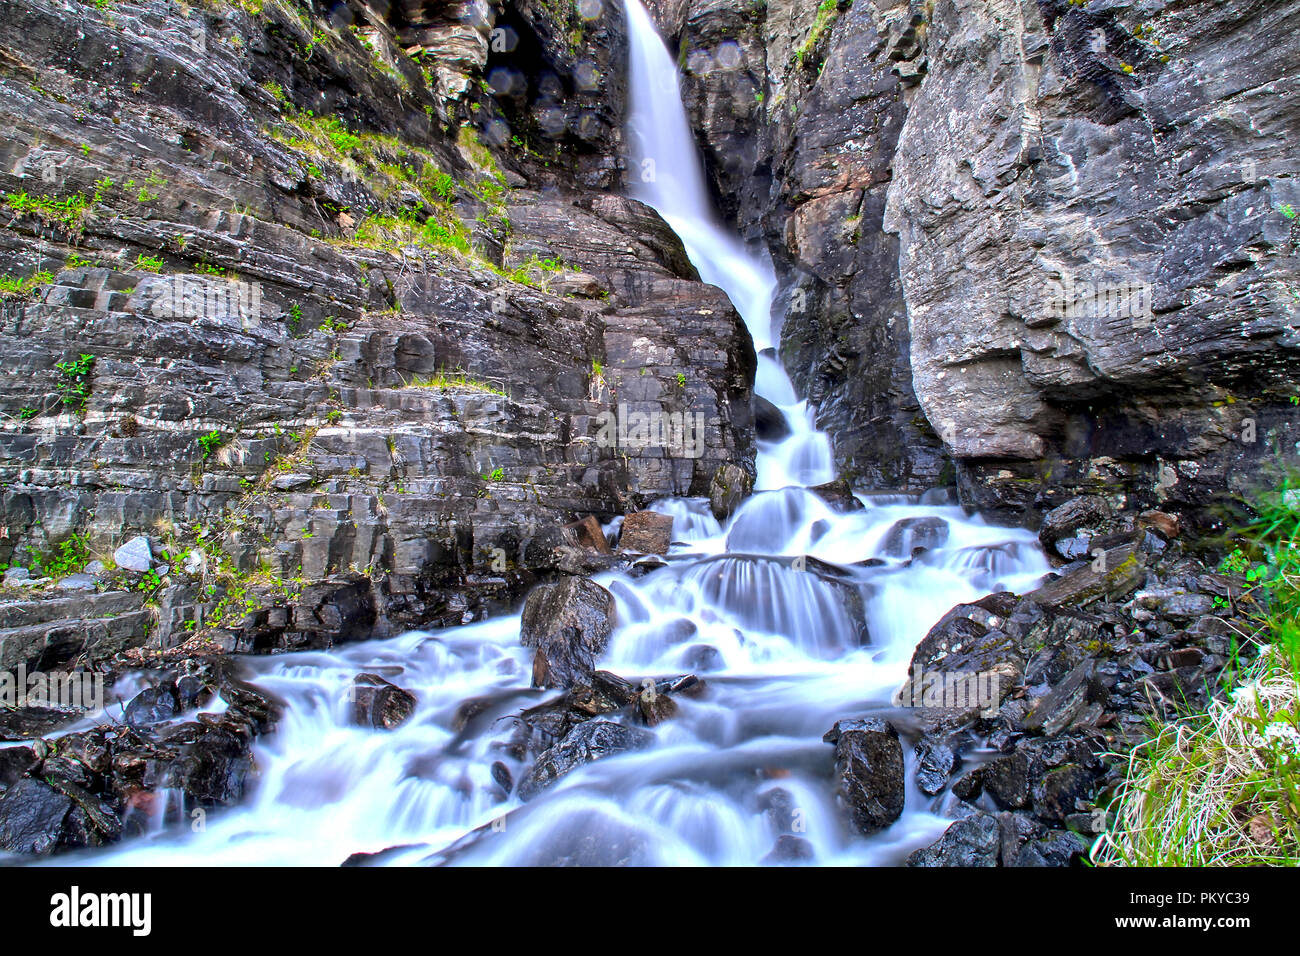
165,765
589,741
1018,703
569,624
380,704
869,782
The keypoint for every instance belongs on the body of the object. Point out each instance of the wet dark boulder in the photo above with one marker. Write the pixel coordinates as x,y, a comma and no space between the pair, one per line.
569,623
1076,520
975,639
973,841
934,764
703,658
869,782
14,763
909,535
769,421
789,850
588,742
379,704
653,707
153,705
32,816
730,486
838,494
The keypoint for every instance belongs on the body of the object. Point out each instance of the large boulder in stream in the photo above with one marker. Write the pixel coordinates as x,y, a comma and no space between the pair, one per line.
569,623
646,532
589,741
869,782
379,704
910,534
730,486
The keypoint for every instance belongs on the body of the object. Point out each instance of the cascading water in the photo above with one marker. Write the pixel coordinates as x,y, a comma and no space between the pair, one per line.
795,614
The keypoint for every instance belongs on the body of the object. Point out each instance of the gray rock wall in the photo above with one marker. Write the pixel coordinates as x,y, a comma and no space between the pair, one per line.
1048,242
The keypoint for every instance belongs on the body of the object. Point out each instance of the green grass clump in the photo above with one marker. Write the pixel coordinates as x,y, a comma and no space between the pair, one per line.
69,211
1223,788
454,379
826,16
392,233
11,286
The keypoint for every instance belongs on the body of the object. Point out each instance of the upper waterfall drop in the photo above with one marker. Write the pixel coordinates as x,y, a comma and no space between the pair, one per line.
668,174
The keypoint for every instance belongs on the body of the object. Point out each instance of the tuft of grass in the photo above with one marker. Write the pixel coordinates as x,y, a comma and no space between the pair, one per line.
1223,788
827,13
454,379
11,286
392,233
70,211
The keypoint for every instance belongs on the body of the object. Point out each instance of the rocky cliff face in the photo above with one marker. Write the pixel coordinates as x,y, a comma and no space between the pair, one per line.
275,302
1050,242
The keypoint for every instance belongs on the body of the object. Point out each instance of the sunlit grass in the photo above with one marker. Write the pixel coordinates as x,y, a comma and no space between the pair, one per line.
1223,788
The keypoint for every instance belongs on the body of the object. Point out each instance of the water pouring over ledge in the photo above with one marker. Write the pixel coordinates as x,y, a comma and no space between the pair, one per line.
794,613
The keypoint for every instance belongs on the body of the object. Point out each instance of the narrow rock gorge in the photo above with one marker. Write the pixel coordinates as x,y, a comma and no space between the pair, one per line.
729,432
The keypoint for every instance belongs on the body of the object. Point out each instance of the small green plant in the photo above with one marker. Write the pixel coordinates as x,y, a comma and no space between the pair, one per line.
69,557
10,286
443,185
70,211
681,379
148,263
1287,210
210,443
26,412
73,385
496,474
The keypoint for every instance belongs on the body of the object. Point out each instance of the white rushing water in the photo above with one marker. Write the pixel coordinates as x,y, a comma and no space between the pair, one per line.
782,650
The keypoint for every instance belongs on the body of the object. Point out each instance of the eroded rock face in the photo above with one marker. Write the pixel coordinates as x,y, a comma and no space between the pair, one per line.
984,255
295,387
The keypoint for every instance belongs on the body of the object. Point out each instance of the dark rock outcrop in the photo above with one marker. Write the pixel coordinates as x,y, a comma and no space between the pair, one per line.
982,257
325,386
869,782
589,741
569,624
380,704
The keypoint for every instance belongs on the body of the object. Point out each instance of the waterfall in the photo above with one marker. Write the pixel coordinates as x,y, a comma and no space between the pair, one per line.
794,614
